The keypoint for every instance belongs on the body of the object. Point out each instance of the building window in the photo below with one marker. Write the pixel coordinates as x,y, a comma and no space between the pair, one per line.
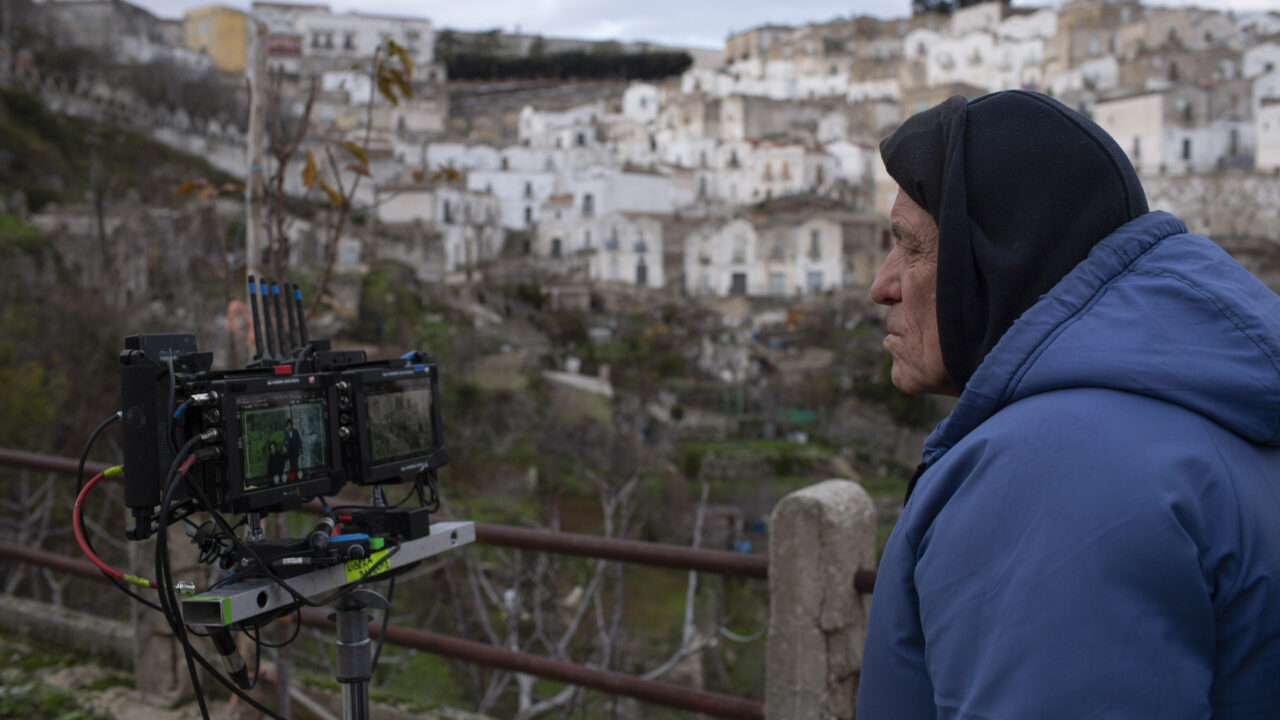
588,205
528,189
528,216
1235,142
448,213
348,41
814,281
777,284
555,247
815,245
586,238
1186,149
1094,46
776,253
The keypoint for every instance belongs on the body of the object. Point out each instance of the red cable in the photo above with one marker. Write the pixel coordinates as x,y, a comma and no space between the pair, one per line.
76,527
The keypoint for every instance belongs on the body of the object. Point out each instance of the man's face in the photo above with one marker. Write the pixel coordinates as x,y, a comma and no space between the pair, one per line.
907,285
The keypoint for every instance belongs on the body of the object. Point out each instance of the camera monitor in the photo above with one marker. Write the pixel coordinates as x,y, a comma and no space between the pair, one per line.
283,438
280,431
399,423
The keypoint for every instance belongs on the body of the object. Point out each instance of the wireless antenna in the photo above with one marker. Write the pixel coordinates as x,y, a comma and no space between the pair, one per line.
264,290
257,328
293,328
302,319
275,300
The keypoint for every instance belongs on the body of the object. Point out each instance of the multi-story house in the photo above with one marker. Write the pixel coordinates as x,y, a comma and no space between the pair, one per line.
622,247
1181,130
461,229
771,254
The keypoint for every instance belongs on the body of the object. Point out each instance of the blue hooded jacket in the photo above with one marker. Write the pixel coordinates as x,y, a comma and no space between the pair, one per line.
1097,534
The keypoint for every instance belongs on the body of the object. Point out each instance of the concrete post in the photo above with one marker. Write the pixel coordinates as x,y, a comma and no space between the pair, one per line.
818,538
159,666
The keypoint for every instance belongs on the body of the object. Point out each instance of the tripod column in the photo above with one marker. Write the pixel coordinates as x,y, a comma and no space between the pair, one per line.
355,657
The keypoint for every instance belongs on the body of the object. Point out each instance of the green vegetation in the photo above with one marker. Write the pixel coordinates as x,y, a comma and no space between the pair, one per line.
52,157
40,701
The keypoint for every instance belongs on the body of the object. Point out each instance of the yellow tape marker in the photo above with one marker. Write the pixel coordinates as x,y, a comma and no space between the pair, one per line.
357,569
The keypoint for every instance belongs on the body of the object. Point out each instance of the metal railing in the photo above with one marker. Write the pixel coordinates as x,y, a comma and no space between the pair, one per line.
592,546
709,703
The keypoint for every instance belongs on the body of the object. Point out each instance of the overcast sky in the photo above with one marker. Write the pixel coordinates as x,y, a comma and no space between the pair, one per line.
692,23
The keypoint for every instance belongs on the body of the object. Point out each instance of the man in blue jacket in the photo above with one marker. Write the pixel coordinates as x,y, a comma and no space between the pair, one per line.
1094,531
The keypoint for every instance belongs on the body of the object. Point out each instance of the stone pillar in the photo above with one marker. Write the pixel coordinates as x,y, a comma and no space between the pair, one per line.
159,666
819,537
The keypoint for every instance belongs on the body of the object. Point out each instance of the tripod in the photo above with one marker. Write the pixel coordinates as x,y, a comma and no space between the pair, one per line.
355,659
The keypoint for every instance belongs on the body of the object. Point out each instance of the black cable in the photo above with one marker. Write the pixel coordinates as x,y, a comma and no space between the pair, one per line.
170,602
382,636
297,628
164,573
266,568
84,457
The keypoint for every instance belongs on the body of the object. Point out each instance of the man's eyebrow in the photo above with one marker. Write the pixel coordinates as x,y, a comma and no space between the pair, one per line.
895,229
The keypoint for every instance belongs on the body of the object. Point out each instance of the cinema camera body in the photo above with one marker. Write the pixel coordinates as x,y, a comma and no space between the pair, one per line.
292,426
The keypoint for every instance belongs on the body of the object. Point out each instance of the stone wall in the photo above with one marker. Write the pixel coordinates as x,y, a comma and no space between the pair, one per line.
1239,210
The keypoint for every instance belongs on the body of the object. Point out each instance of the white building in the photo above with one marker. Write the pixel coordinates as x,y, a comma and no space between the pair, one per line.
1166,133
616,247
776,257
640,103
1260,59
339,38
1267,119
520,193
718,259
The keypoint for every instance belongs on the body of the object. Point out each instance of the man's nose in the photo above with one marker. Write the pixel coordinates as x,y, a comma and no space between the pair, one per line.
885,289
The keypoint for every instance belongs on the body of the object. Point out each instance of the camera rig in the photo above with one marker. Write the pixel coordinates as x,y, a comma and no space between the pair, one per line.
300,422
294,425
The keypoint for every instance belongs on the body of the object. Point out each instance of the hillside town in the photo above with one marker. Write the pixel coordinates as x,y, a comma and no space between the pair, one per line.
753,173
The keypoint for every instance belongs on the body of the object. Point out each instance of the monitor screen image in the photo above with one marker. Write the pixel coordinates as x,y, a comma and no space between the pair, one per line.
283,437
399,421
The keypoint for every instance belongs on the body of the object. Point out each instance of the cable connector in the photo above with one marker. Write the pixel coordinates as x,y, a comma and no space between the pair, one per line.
205,454
184,587
204,398
211,435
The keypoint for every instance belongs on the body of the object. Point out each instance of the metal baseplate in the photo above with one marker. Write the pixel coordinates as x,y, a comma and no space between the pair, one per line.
244,600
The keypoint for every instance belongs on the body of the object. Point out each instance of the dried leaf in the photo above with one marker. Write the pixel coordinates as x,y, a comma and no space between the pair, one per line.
356,150
207,192
406,90
384,87
335,197
419,175
309,172
403,55
190,186
358,169
231,188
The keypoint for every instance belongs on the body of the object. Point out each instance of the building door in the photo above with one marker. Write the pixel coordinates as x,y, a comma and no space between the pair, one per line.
642,273
739,284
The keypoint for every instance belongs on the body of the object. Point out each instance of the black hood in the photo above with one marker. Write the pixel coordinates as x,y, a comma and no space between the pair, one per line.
1021,187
